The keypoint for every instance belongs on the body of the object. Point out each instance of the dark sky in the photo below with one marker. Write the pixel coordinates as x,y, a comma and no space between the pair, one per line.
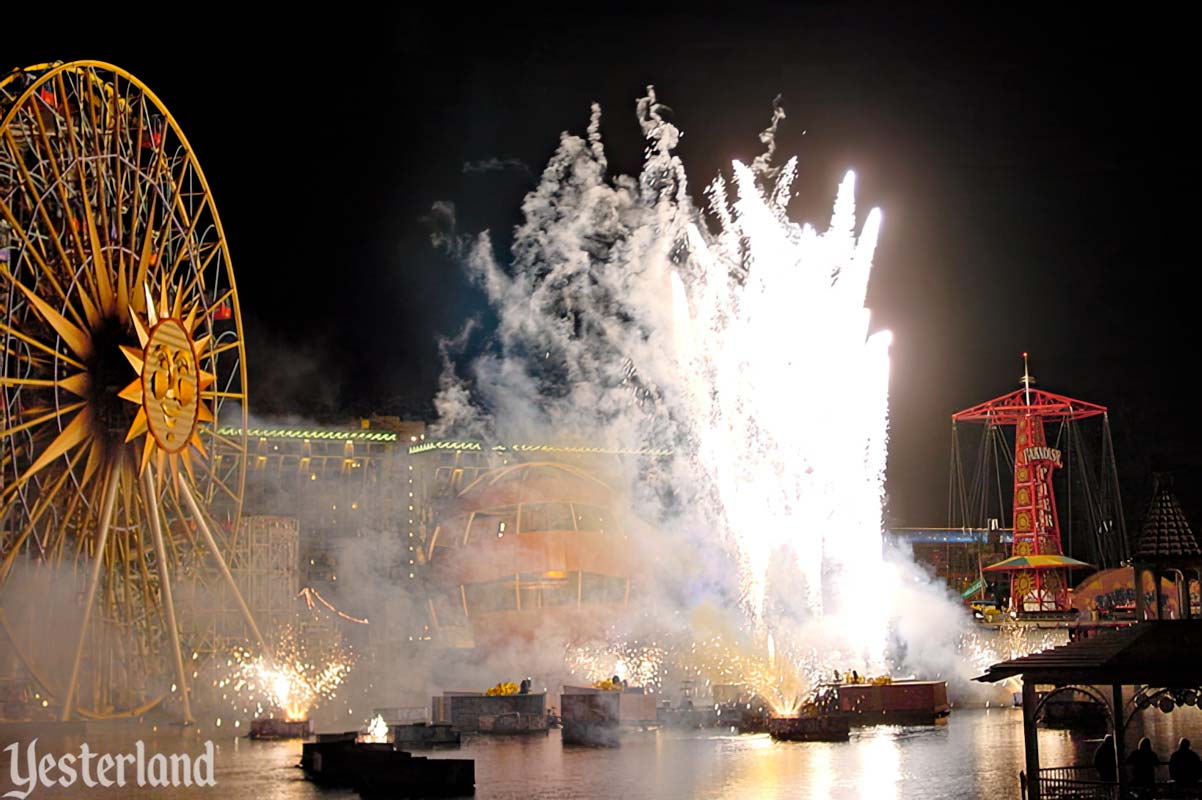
1037,171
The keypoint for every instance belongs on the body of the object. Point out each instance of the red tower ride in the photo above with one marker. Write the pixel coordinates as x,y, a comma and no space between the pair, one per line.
1038,567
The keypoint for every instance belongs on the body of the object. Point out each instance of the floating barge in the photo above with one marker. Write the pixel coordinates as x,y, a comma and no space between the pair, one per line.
270,728
476,712
423,735
813,728
596,717
896,703
377,770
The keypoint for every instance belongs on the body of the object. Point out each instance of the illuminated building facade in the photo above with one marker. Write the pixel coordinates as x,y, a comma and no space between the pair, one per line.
484,529
527,544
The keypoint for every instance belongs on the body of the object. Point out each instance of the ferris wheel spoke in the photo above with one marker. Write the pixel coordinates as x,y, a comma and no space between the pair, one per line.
48,498
45,269
57,163
156,531
4,327
143,567
43,213
184,239
195,284
223,348
147,255
45,502
136,203
121,127
232,585
67,409
224,297
181,520
106,518
97,277
177,181
79,342
221,438
118,225
40,382
99,164
89,129
55,543
126,608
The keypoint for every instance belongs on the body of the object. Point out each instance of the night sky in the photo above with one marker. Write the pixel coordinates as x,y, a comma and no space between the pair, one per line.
1038,176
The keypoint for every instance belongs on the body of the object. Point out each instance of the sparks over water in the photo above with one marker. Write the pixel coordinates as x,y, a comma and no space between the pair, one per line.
291,683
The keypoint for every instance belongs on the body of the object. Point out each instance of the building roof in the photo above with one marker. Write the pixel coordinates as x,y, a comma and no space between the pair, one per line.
1165,533
1156,653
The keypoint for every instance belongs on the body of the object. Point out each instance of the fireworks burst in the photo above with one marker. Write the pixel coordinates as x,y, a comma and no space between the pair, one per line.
788,391
295,681
981,647
636,663
377,731
752,669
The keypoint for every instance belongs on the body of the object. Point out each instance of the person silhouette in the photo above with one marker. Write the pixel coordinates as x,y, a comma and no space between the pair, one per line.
1143,763
1185,766
1104,760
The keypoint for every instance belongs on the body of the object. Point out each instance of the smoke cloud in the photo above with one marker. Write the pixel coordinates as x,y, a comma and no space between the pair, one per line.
494,164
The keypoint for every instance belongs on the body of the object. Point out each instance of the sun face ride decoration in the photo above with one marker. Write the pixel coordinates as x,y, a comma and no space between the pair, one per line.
169,385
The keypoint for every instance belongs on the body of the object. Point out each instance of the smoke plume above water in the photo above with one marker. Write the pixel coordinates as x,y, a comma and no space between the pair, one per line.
735,338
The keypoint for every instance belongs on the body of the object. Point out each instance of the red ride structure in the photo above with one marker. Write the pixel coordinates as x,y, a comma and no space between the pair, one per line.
1038,566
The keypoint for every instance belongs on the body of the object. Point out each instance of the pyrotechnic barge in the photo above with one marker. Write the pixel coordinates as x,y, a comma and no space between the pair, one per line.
271,728
476,712
896,703
814,728
596,716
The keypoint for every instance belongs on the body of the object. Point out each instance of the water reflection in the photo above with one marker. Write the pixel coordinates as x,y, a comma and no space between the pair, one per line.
977,754
880,764
822,773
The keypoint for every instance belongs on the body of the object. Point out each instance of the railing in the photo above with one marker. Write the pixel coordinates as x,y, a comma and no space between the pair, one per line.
1074,783
1083,783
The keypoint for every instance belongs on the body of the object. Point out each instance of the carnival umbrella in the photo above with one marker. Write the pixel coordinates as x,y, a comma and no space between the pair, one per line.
1047,561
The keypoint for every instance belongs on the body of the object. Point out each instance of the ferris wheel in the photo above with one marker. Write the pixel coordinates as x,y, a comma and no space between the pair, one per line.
121,347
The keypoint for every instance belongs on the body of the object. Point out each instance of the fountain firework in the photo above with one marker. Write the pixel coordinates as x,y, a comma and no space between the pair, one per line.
788,394
746,350
292,683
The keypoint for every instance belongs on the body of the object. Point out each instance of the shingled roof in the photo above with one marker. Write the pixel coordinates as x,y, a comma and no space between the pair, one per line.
1165,532
1158,653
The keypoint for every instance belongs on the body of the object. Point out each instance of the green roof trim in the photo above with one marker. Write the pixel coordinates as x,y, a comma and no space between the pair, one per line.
427,445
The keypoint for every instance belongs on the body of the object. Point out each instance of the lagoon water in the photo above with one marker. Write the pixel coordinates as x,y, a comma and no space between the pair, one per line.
977,754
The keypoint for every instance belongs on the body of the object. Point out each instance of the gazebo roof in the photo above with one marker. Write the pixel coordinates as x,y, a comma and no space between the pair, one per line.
1156,653
1165,534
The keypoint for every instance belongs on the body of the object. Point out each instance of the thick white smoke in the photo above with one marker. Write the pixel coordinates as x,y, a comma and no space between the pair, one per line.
625,320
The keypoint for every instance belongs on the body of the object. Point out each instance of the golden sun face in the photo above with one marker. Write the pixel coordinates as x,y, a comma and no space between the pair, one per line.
168,385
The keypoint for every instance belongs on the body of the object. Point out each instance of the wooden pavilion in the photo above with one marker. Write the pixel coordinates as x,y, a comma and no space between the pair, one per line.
1161,663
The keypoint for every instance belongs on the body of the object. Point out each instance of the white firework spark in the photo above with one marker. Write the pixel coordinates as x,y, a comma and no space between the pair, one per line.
788,393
